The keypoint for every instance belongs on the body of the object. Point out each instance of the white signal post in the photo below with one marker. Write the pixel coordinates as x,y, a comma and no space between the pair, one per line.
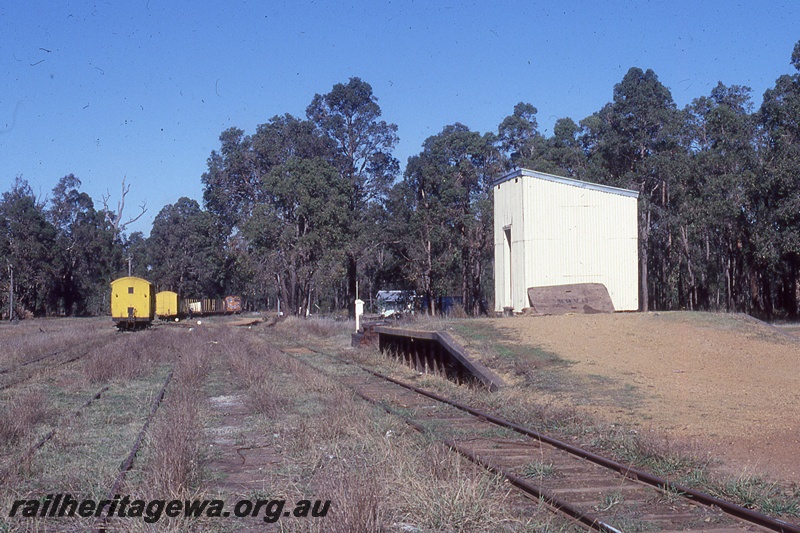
359,312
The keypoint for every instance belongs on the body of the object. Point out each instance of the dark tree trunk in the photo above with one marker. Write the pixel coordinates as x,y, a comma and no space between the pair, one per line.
352,280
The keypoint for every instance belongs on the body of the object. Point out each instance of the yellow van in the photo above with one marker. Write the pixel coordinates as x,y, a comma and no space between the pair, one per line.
133,302
166,304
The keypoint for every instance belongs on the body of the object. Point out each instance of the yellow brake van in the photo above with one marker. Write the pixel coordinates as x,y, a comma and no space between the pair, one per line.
132,302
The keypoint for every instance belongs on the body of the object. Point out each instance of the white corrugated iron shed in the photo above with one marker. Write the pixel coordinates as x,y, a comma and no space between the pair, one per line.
550,230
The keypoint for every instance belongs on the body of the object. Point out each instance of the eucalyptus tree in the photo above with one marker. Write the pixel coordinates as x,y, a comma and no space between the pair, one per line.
28,248
286,137
422,231
718,232
88,252
522,144
779,119
565,154
137,256
634,142
237,187
519,138
362,144
186,250
231,183
447,215
295,234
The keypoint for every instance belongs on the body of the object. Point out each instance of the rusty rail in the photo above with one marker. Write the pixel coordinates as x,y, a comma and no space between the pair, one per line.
627,471
585,518
50,434
12,368
128,463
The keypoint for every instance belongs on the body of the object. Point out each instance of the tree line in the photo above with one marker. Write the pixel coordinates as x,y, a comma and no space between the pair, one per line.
307,211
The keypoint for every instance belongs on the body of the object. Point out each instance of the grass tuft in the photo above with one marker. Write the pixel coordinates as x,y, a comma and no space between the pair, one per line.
755,492
20,415
540,470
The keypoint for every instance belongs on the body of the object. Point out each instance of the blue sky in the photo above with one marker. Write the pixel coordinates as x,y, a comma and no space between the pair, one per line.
142,89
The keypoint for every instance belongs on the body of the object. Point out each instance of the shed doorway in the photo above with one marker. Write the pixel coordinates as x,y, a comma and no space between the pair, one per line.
507,267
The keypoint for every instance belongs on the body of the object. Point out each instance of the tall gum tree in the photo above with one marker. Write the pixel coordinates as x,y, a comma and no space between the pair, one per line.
447,228
231,184
519,138
779,119
717,230
349,115
296,232
28,247
237,186
186,249
89,253
633,142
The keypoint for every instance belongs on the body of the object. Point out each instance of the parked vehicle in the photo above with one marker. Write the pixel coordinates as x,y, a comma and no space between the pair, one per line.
395,303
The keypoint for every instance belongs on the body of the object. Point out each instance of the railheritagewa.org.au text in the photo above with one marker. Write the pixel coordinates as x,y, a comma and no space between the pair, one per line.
151,511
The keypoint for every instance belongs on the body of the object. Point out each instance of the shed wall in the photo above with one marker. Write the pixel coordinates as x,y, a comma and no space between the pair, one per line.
561,234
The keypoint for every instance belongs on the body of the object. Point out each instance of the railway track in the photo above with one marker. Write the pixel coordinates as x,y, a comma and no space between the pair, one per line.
22,372
95,437
72,354
28,454
127,464
597,492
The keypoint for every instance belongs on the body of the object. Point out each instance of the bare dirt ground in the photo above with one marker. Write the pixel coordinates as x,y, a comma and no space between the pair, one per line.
723,383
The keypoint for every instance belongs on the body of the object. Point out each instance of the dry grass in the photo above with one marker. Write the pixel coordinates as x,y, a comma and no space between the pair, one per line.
252,368
318,327
174,464
127,357
379,474
662,457
756,492
30,339
326,327
170,466
84,456
360,496
19,416
454,494
540,371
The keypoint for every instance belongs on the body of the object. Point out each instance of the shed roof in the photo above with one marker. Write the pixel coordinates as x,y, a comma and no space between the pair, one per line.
517,172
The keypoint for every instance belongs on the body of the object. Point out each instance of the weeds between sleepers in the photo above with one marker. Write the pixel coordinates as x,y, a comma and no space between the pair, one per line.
688,466
383,476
